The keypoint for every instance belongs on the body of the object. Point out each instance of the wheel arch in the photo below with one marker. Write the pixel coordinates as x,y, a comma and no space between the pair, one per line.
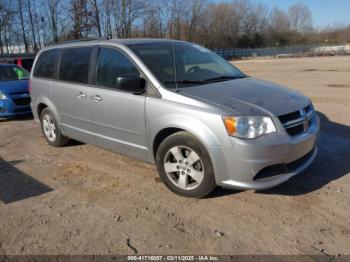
161,135
40,108
174,124
44,102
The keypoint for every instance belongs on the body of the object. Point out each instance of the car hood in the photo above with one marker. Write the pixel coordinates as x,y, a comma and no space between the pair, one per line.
16,86
249,96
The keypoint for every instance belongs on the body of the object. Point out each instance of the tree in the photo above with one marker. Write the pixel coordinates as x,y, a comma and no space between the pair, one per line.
6,16
82,18
31,21
178,13
96,15
154,18
21,17
107,15
250,23
197,8
300,18
215,24
279,28
125,14
53,6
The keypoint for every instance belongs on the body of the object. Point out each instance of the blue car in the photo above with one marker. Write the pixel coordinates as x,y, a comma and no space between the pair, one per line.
14,93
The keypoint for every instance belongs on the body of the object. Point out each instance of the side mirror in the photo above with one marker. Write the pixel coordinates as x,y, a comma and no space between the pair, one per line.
133,84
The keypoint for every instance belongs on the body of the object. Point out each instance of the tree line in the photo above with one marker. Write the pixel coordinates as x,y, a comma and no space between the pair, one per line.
238,23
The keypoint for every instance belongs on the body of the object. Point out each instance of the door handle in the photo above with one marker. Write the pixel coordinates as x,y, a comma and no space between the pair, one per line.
96,98
81,95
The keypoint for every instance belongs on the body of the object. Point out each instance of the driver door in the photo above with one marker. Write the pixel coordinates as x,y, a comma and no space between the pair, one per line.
118,117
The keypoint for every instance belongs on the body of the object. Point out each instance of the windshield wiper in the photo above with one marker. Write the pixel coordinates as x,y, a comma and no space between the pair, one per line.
185,81
222,78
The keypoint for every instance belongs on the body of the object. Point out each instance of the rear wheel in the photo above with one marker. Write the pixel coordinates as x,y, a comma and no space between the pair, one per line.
184,165
51,130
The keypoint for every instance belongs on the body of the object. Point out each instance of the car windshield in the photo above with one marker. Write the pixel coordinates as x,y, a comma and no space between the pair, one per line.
180,64
10,73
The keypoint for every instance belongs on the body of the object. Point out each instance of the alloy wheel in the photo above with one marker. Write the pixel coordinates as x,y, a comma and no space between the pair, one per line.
49,127
184,167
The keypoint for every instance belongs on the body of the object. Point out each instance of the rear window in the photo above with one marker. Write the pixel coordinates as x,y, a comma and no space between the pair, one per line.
74,66
46,64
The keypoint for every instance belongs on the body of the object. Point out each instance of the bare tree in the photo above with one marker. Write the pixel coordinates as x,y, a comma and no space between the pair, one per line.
279,28
125,14
107,18
52,6
37,27
178,14
154,18
82,18
21,17
6,15
300,18
197,14
96,15
215,24
31,21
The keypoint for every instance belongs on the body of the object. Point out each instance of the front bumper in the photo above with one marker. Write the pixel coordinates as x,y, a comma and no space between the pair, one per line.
241,165
9,109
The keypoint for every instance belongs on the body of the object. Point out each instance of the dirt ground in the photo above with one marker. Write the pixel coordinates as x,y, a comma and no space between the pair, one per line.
80,199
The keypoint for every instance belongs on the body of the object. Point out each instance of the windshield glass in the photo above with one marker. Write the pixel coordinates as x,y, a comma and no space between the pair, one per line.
184,64
10,73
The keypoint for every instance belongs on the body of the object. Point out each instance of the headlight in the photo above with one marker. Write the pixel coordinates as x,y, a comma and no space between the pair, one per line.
248,127
2,95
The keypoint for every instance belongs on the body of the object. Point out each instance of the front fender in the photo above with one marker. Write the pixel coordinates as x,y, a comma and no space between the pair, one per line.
187,123
195,126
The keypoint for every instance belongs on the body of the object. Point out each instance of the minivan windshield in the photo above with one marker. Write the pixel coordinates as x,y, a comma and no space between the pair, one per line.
180,64
12,72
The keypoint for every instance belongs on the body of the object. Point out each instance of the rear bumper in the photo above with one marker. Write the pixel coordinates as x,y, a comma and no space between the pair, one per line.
9,109
243,165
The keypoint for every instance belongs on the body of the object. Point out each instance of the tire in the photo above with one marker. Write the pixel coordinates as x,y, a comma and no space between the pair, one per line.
184,165
51,130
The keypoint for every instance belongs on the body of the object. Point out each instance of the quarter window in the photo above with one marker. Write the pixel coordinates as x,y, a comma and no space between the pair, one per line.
46,64
112,63
74,66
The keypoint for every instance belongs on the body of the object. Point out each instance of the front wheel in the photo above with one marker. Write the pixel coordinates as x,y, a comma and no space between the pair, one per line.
184,165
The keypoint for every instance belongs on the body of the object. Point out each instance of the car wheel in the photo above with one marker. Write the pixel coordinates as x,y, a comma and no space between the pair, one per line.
184,165
51,130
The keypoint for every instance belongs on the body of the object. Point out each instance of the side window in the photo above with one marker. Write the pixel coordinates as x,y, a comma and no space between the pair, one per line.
46,64
74,66
112,63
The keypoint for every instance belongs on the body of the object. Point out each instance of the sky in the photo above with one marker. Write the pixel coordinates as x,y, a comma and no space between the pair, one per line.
325,12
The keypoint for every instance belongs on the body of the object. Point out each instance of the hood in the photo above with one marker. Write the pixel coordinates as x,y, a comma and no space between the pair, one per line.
249,96
15,86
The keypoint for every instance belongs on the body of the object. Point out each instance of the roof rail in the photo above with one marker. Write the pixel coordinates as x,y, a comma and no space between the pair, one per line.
78,40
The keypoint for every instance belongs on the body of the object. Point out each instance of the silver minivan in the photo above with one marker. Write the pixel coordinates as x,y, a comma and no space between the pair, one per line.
202,122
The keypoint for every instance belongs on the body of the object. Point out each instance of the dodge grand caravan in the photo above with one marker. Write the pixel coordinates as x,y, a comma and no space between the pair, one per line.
178,105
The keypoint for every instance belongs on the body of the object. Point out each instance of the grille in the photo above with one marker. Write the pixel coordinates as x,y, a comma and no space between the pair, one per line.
22,101
297,122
